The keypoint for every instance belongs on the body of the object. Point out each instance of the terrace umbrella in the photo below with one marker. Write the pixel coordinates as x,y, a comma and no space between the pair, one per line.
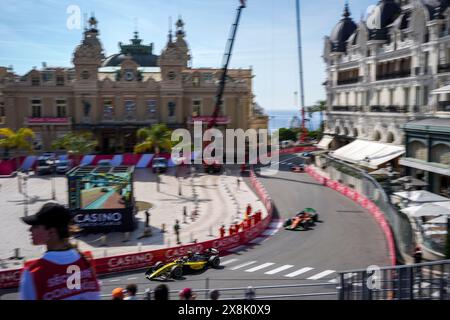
439,220
383,172
428,209
410,182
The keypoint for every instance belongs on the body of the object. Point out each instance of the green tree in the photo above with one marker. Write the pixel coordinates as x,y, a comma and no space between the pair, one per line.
19,140
320,106
157,138
288,134
77,144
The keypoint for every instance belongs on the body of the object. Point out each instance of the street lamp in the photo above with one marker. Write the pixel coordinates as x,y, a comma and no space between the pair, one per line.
53,168
25,194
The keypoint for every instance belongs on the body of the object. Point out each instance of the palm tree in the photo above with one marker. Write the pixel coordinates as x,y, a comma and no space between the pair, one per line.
19,140
77,144
320,106
154,138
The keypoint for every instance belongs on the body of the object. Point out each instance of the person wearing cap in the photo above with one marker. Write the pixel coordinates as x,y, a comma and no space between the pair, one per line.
214,294
131,291
161,293
62,273
118,294
187,294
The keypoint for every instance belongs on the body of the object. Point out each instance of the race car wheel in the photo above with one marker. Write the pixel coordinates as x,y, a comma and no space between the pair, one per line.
287,223
176,272
157,265
316,218
214,262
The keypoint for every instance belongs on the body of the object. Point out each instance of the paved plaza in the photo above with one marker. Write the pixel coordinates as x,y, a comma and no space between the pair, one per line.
216,197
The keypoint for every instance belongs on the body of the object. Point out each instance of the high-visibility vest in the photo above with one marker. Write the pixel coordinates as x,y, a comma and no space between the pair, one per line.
51,280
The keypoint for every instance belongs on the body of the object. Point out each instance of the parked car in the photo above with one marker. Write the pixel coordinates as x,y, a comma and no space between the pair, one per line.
104,163
62,166
46,163
159,165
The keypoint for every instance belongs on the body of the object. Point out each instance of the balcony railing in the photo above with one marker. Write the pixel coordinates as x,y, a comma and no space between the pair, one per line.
347,108
444,68
390,109
48,121
207,119
394,75
443,106
349,81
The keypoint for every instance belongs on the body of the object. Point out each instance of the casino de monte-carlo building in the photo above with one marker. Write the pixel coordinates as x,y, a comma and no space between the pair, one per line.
114,96
382,73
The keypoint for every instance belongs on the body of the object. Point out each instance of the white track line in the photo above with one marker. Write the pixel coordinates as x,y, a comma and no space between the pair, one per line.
228,262
298,272
265,265
321,275
243,265
285,267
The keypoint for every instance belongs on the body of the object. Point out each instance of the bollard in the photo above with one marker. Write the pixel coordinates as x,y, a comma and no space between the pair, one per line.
210,231
192,237
103,240
148,294
126,237
139,246
105,253
17,254
163,228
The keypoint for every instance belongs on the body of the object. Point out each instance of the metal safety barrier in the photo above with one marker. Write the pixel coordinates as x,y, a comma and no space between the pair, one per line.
240,293
424,281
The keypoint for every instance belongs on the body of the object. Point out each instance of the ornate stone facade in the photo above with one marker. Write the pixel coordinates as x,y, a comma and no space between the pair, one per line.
115,96
383,74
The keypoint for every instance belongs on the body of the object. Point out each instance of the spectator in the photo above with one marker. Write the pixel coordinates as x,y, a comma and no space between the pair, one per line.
214,294
238,183
250,293
418,255
50,227
187,294
177,228
131,291
161,293
118,294
222,231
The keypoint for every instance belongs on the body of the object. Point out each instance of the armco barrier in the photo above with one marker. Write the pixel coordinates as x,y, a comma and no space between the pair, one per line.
141,260
363,202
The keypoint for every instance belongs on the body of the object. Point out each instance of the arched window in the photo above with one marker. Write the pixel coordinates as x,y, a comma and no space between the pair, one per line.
377,136
417,150
346,131
172,106
440,154
390,137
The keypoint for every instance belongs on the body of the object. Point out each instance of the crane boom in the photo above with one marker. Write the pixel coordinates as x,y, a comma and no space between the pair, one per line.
225,63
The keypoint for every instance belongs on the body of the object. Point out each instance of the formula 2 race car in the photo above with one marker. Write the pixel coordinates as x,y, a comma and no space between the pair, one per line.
176,268
302,220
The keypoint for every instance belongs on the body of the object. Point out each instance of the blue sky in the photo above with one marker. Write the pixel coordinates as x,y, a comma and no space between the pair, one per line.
33,31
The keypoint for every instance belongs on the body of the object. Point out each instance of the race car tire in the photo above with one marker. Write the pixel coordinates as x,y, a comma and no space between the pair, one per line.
316,218
287,223
157,265
176,272
214,262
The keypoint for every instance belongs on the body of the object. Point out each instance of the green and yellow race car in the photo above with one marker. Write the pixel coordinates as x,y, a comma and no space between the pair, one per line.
191,262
